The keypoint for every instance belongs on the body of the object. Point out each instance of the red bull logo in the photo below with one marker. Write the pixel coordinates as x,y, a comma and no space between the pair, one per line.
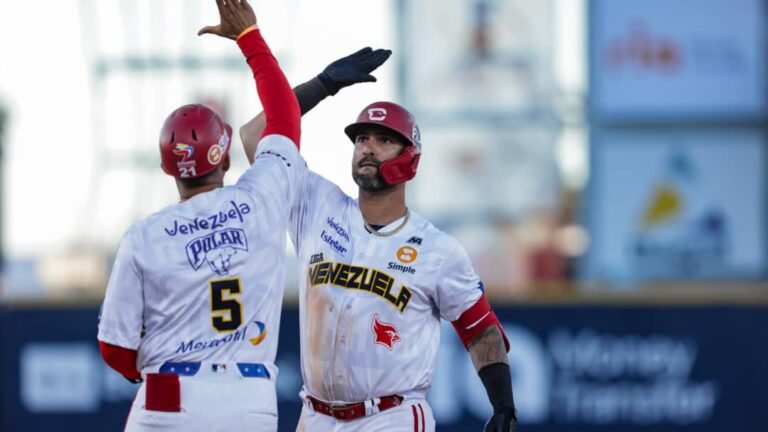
384,333
184,150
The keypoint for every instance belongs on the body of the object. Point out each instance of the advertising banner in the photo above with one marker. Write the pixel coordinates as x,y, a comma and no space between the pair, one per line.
52,374
656,60
574,368
682,204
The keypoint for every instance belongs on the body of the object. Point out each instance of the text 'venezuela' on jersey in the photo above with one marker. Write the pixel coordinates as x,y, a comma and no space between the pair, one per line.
361,278
204,277
372,305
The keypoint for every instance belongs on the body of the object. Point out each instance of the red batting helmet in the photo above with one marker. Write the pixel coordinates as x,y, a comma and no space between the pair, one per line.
398,120
193,141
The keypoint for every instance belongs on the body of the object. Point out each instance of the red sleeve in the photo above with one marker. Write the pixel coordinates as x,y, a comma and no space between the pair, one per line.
121,359
475,319
281,108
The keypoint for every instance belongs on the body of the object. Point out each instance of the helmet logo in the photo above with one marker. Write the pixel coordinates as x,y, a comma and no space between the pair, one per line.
214,155
184,150
377,114
416,136
216,152
223,141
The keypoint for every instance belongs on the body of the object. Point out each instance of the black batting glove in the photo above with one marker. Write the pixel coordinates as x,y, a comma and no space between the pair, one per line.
503,420
352,69
497,379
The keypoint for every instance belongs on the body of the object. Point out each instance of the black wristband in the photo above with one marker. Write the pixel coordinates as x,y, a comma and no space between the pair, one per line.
310,94
330,87
497,380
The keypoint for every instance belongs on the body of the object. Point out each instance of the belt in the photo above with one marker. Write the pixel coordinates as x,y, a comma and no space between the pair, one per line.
247,370
350,411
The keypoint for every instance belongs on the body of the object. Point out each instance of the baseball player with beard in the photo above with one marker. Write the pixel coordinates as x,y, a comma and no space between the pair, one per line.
192,308
376,278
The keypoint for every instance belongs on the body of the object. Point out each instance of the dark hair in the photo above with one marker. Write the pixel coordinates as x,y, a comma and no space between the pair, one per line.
191,183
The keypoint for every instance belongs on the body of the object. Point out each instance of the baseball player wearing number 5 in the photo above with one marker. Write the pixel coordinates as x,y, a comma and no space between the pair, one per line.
376,278
192,308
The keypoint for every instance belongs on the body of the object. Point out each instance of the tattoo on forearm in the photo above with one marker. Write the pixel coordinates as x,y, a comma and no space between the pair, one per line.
488,348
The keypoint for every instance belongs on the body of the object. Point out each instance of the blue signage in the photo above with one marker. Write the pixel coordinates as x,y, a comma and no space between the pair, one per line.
575,369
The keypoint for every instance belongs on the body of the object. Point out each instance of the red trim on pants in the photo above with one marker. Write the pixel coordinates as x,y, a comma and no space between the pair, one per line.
416,418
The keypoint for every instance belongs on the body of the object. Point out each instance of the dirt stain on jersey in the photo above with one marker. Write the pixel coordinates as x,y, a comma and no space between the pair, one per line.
319,309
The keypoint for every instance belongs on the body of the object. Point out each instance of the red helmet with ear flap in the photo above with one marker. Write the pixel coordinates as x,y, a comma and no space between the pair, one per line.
194,141
398,120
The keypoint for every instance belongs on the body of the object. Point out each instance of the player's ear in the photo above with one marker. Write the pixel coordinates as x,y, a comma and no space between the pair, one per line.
225,163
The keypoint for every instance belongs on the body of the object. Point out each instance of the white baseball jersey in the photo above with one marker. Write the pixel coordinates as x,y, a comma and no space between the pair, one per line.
202,280
370,306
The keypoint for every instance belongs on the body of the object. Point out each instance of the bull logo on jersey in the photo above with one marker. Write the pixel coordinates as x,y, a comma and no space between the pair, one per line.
216,249
384,333
184,150
262,333
219,258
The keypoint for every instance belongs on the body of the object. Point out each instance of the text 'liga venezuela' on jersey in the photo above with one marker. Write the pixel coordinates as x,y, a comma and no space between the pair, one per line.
359,278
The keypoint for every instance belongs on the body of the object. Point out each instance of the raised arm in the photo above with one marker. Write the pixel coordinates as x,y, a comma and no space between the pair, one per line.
281,109
346,71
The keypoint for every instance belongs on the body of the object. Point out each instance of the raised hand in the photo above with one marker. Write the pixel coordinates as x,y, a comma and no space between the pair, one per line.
352,69
235,16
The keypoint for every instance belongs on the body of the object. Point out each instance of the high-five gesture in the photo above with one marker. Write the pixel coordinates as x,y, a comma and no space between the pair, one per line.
235,16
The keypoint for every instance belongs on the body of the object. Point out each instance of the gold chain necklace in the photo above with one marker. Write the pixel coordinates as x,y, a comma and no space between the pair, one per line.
390,233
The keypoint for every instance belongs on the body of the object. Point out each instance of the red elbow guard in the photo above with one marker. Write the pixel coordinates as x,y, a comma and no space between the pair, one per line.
121,359
475,319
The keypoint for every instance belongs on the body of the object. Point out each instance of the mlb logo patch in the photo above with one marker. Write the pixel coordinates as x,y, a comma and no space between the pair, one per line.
219,368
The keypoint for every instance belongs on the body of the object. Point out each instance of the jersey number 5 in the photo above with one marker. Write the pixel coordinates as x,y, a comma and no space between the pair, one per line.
226,310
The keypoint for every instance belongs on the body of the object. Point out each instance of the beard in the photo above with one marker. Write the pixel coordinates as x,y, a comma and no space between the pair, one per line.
368,182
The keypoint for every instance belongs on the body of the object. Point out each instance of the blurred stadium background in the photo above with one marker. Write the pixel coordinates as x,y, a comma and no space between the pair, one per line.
603,161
